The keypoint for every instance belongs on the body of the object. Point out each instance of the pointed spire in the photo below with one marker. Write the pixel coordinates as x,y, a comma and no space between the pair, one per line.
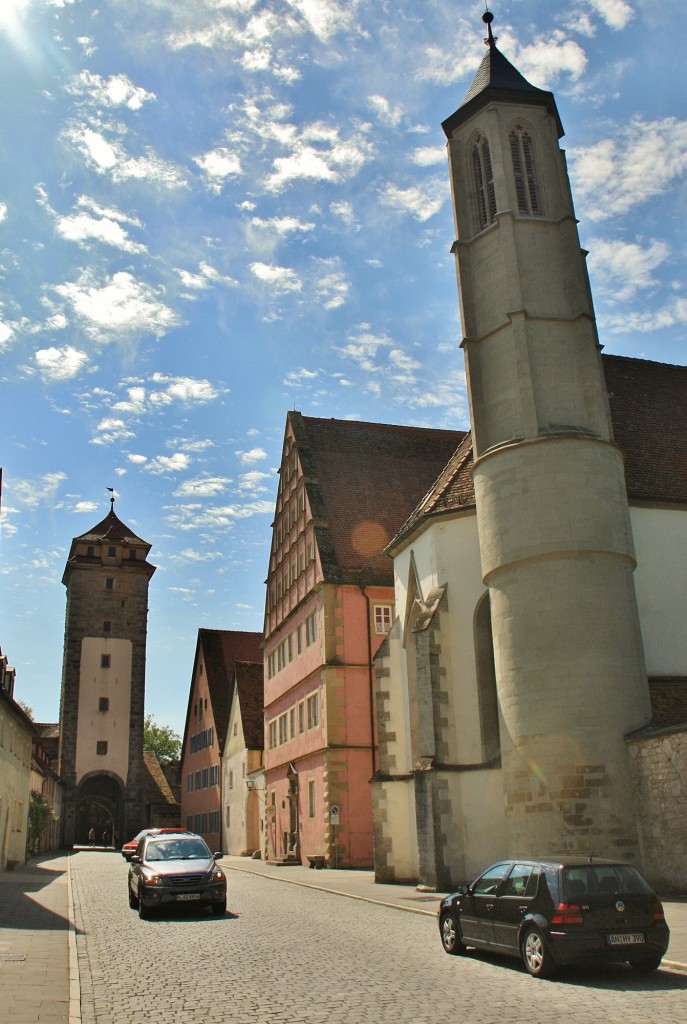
497,79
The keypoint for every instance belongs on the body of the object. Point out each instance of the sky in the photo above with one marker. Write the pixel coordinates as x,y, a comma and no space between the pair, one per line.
215,211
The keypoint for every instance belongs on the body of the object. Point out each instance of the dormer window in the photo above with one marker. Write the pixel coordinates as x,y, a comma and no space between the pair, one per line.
526,185
484,181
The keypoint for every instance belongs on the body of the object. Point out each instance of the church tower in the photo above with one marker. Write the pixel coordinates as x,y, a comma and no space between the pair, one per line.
103,682
554,528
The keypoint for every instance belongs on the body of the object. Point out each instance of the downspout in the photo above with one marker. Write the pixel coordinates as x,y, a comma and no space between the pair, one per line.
370,679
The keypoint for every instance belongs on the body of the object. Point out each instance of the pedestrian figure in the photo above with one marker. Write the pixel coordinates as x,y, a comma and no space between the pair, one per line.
91,837
104,838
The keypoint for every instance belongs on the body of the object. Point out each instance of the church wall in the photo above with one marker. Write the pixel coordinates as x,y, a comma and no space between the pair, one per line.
475,834
660,537
659,768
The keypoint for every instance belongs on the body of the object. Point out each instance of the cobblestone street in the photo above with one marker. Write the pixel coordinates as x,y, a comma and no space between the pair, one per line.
285,954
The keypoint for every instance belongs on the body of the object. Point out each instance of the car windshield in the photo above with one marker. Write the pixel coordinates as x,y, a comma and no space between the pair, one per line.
175,849
591,879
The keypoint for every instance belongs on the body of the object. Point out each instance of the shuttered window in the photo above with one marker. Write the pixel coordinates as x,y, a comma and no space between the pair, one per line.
484,182
524,171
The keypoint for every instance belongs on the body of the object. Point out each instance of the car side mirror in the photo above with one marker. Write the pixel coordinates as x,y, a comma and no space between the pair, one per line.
135,859
464,889
218,855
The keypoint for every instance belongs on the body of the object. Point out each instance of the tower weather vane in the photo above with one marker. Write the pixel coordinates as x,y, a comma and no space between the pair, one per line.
112,499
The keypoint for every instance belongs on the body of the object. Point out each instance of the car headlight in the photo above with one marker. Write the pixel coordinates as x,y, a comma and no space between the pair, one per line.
152,879
217,875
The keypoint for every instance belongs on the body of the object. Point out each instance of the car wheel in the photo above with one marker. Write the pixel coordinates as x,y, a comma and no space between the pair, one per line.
143,911
133,900
646,964
218,909
450,935
536,955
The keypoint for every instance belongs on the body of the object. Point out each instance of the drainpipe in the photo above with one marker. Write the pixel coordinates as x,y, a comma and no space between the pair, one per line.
370,678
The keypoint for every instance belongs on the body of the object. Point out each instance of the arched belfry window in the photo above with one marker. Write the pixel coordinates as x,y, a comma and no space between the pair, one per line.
525,172
484,181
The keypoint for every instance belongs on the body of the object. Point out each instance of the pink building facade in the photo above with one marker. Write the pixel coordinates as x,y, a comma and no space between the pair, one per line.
344,489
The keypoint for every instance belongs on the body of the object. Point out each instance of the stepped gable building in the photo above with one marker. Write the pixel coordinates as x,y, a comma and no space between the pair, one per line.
103,683
514,688
345,487
243,747
210,696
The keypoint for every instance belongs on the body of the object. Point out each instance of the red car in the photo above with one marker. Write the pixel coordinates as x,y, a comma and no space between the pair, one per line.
129,849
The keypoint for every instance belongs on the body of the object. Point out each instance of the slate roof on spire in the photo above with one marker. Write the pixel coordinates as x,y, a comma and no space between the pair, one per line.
497,80
112,528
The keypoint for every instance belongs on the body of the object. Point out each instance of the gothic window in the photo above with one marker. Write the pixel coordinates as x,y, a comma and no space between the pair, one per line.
486,681
526,186
484,181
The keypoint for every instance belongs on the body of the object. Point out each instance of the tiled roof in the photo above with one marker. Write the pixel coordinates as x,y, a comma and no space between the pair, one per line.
649,411
648,403
249,680
157,789
668,702
362,481
113,529
221,649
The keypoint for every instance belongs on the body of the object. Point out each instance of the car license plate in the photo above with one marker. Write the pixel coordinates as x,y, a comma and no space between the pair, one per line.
631,939
188,896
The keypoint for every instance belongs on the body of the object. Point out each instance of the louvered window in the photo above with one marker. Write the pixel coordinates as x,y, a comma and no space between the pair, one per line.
524,171
484,181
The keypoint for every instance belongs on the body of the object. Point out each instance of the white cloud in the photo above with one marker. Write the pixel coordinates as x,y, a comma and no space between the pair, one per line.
317,153
544,62
421,201
389,116
82,227
254,455
163,464
624,268
253,482
186,389
60,364
641,161
203,487
3,212
32,493
326,17
330,286
645,321
116,91
206,277
85,506
218,165
281,279
363,348
110,157
217,517
119,308
616,13
428,156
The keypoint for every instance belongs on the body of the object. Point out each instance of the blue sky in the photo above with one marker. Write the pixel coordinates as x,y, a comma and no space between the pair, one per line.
214,211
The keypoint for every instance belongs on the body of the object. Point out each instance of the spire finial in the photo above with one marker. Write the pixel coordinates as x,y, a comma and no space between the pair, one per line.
112,499
487,18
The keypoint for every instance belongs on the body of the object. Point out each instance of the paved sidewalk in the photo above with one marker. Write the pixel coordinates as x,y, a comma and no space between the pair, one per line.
35,944
39,981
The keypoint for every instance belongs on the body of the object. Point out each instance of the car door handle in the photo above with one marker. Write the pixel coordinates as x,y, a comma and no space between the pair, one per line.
490,906
524,909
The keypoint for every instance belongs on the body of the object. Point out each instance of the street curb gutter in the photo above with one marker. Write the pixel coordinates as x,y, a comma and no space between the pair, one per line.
334,892
74,978
671,965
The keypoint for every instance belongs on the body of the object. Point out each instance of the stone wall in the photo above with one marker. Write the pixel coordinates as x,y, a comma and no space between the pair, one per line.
659,769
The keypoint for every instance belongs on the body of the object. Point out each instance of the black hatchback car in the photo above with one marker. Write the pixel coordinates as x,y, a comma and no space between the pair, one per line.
555,912
175,869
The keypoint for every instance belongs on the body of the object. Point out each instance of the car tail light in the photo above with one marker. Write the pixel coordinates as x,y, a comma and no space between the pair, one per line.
657,910
567,913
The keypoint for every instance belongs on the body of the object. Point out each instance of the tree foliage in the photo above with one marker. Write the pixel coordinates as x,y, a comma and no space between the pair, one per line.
161,739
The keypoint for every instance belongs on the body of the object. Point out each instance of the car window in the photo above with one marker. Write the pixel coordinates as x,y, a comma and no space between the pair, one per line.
517,881
590,879
488,883
175,849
